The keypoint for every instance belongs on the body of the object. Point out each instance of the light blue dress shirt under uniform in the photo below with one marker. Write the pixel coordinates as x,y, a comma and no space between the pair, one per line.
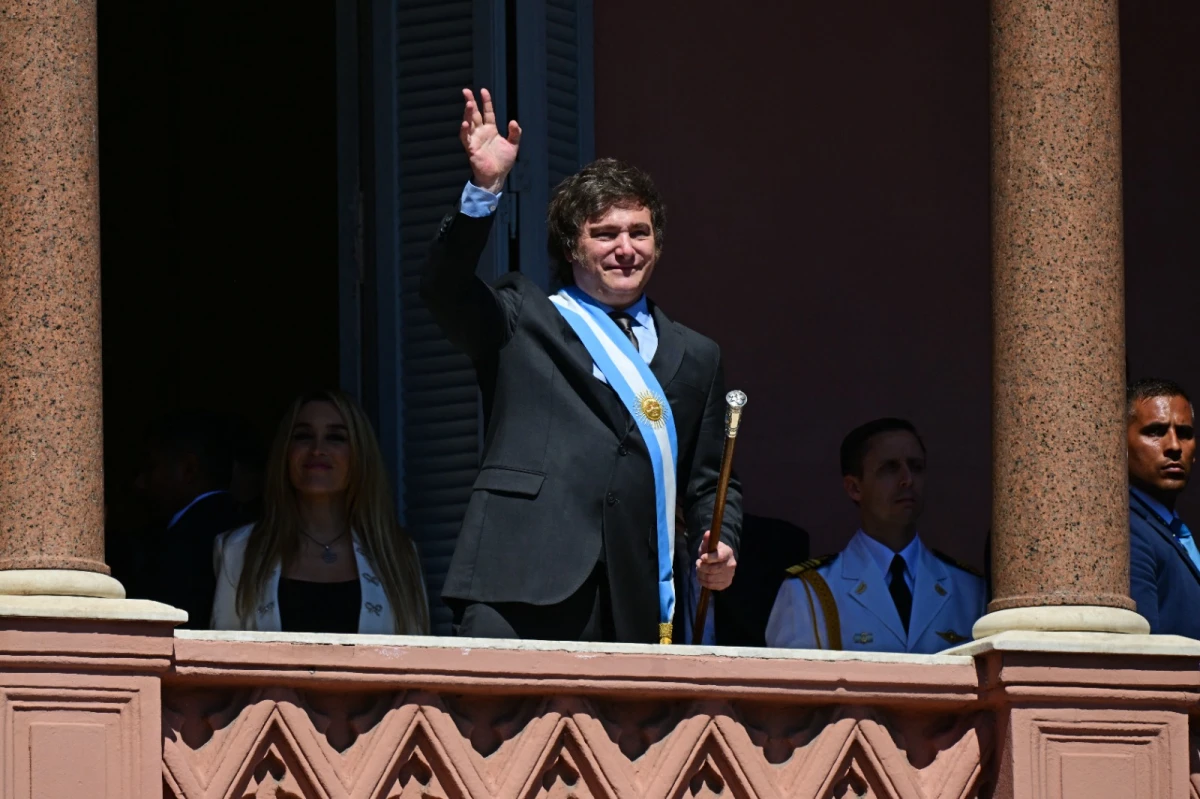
882,555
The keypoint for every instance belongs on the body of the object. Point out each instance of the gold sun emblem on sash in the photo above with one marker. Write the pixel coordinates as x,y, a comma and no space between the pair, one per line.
651,408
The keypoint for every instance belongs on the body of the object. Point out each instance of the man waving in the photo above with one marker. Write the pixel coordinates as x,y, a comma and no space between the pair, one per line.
601,413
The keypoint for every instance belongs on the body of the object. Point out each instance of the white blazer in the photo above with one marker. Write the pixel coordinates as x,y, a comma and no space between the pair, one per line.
229,553
947,601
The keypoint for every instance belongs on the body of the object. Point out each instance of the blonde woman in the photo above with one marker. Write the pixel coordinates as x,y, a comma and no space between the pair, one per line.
329,554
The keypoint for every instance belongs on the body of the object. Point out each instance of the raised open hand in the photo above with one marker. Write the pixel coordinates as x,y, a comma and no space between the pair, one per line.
492,155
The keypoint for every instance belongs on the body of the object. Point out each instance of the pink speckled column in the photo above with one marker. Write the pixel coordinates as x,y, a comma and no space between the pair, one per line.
1060,510
51,472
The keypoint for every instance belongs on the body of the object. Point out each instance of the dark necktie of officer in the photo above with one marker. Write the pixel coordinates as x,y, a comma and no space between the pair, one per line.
625,322
899,590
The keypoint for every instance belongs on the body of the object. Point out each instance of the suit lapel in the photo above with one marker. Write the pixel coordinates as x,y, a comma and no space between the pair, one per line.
865,585
671,347
598,396
1158,525
267,616
932,590
375,616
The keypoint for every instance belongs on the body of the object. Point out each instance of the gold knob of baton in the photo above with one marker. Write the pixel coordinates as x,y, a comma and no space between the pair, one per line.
735,402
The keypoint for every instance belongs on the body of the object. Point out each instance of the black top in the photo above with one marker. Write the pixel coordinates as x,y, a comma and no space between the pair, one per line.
306,607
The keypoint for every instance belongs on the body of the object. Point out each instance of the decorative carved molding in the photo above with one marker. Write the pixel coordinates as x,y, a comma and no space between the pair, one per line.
281,742
1194,757
1065,752
56,738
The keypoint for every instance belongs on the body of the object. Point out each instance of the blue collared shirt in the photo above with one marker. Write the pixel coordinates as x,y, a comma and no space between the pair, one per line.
477,202
1168,516
882,555
175,519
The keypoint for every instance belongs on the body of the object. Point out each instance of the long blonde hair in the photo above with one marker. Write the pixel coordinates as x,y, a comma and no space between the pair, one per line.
369,512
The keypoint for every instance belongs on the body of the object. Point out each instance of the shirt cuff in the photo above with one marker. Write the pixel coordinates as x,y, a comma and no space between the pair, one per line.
478,202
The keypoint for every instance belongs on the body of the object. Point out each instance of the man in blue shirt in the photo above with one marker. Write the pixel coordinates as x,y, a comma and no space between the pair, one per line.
1164,563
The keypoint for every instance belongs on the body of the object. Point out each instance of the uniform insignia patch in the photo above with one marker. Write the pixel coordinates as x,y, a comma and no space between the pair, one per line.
864,638
951,637
809,565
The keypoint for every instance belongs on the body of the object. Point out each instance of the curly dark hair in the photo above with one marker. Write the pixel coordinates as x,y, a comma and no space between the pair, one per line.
590,193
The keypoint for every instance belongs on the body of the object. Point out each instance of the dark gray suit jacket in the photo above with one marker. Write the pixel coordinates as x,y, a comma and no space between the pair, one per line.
564,466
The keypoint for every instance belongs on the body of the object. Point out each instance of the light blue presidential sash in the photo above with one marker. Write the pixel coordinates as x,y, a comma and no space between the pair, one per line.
638,388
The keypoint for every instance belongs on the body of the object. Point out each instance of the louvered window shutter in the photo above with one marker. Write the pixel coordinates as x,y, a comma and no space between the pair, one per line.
555,104
442,47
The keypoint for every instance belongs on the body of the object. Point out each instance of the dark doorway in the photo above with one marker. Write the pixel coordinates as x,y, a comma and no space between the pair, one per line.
218,156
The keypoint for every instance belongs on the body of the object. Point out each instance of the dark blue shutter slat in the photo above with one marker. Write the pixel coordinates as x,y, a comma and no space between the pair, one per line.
443,45
435,59
555,92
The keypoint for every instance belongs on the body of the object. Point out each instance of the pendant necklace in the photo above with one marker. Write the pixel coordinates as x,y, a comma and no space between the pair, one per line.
329,556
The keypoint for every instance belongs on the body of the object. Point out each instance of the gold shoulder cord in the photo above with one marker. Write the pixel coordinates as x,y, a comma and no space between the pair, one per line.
812,614
833,624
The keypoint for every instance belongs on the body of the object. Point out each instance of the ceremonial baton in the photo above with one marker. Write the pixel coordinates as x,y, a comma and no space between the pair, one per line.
735,402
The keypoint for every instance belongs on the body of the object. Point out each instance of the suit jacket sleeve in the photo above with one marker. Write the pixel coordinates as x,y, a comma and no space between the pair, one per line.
1143,582
705,471
475,317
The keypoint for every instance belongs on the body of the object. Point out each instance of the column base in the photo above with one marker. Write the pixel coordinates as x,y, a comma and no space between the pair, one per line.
59,582
1062,618
92,608
69,594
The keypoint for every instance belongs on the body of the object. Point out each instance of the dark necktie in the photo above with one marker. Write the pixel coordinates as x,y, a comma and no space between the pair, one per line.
625,322
898,588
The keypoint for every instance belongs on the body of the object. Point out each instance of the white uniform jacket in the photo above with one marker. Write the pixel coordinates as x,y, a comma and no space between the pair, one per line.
857,612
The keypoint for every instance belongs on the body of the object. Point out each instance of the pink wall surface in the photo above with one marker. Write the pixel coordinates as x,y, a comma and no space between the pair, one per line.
826,170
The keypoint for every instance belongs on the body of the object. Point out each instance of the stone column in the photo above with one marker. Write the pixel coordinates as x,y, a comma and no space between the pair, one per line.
79,701
51,468
1060,507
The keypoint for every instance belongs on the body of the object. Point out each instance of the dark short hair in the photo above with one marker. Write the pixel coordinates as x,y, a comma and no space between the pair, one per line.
858,441
590,193
1150,387
200,434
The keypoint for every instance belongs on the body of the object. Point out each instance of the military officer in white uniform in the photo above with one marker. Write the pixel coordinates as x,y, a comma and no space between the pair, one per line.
886,591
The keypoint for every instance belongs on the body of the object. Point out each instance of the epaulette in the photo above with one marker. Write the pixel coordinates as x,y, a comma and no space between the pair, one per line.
809,565
958,564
